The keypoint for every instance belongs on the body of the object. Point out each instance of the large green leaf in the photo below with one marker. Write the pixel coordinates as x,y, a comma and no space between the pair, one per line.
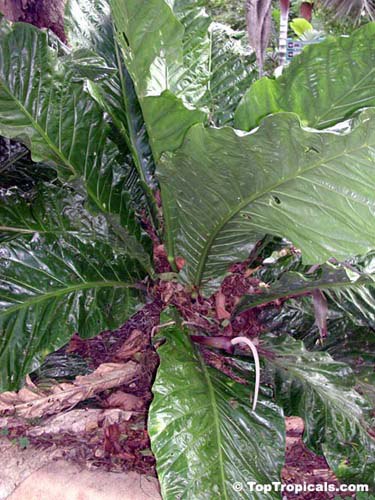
43,106
152,40
328,277
324,85
233,70
314,188
204,435
89,25
53,211
160,52
354,345
63,271
185,70
216,59
358,303
322,391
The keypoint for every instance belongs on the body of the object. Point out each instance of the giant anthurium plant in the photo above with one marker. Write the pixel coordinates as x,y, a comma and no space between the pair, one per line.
149,94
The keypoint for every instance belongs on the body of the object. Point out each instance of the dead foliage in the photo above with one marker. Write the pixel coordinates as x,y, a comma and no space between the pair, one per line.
32,402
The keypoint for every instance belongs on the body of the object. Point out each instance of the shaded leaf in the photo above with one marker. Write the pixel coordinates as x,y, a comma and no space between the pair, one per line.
89,25
203,433
63,271
322,391
324,85
42,106
87,64
56,211
354,345
60,365
327,277
233,70
352,8
358,303
17,168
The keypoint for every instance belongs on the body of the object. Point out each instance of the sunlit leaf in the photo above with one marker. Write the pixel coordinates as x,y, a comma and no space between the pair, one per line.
324,85
204,435
314,188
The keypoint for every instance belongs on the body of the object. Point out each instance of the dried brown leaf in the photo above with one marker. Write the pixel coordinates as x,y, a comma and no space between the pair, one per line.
78,421
321,311
36,403
112,436
129,402
221,312
133,344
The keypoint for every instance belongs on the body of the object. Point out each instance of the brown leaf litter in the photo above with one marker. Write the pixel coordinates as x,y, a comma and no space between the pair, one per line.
31,402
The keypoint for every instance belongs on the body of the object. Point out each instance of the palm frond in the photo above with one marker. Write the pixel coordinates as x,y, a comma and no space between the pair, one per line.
350,8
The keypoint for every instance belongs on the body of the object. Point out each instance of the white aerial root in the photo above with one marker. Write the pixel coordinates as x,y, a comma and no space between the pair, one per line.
245,340
155,328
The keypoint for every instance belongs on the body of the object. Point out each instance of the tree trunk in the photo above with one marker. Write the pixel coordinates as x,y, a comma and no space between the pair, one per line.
41,13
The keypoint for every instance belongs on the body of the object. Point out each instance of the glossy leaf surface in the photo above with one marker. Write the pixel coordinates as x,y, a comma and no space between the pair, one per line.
328,277
355,345
185,70
153,39
203,433
358,303
233,70
62,271
89,25
324,85
314,188
322,391
43,107
28,102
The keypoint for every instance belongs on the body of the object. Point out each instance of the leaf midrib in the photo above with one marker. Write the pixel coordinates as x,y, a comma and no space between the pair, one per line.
39,130
318,120
64,291
251,199
216,423
361,281
15,229
336,399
